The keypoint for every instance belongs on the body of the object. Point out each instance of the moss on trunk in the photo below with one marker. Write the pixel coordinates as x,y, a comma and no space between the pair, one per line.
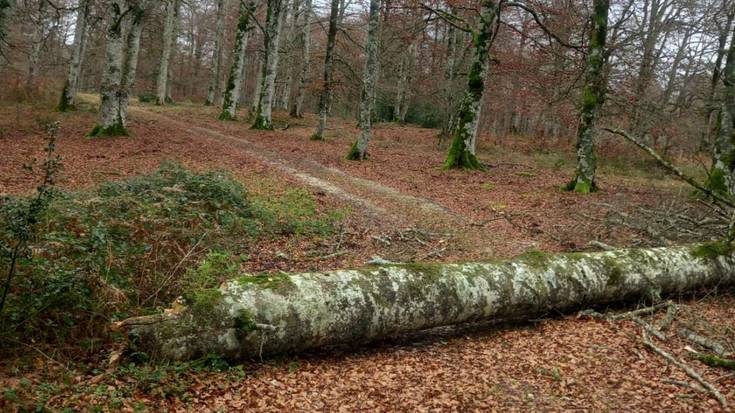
285,313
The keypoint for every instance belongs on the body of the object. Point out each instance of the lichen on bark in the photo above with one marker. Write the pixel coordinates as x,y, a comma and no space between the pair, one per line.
462,153
593,96
263,315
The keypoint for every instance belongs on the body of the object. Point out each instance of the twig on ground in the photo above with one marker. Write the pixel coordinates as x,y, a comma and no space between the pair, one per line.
703,341
641,311
688,385
688,370
669,318
649,328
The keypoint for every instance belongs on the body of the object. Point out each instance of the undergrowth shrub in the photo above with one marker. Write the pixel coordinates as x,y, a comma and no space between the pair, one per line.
127,247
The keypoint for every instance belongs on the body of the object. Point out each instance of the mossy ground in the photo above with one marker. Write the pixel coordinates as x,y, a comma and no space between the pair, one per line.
114,130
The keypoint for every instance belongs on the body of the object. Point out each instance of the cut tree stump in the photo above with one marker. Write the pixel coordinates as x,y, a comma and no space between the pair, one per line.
256,316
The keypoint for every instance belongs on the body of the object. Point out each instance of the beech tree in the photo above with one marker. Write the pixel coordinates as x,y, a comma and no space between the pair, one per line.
121,64
214,90
67,101
722,174
593,96
464,136
168,43
231,95
304,44
359,149
325,96
271,35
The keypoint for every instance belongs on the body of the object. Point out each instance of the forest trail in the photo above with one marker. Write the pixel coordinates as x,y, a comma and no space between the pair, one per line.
328,179
379,201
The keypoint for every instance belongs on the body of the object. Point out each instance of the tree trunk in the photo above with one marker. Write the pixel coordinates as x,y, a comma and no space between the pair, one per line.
593,96
67,101
120,68
167,44
234,82
215,86
254,316
289,51
297,110
722,175
326,96
462,152
404,74
263,114
109,122
137,15
37,40
359,149
258,84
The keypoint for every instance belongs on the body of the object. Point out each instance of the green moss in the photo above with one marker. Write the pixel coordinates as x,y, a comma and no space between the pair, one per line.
354,153
580,186
226,115
459,157
712,249
316,137
487,186
616,272
244,321
716,181
533,258
261,123
116,129
714,361
64,104
203,301
279,282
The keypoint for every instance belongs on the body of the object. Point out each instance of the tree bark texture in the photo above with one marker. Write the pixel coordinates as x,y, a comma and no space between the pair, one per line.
326,96
593,96
369,77
462,151
214,90
169,26
67,101
231,94
271,36
255,316
297,110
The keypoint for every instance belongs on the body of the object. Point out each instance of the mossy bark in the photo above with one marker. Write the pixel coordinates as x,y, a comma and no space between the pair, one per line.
358,151
593,96
722,174
461,153
326,96
110,122
120,68
268,315
214,90
272,35
67,101
231,95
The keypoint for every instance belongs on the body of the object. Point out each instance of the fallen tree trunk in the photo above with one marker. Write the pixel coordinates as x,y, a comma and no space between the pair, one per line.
255,316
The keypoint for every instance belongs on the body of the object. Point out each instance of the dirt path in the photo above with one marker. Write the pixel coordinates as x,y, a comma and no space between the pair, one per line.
380,201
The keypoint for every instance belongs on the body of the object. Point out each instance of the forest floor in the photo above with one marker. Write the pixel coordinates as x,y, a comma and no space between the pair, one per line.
401,207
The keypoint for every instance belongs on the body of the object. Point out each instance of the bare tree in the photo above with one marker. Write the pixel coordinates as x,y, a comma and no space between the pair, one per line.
215,86
271,36
168,42
67,101
326,96
234,82
359,149
297,109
